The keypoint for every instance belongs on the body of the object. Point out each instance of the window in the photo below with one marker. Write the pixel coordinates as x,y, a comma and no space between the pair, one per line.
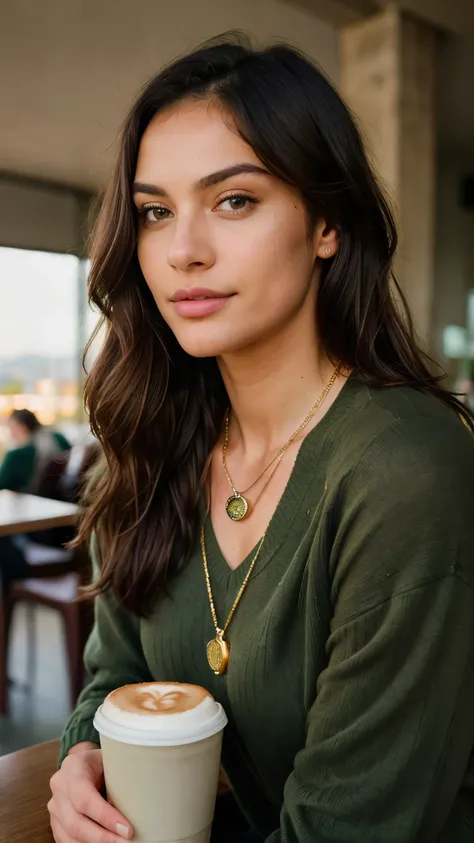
39,342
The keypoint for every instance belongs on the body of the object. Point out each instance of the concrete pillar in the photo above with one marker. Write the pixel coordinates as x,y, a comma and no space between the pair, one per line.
388,64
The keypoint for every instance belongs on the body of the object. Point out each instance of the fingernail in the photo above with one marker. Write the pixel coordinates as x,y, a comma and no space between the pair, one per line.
123,831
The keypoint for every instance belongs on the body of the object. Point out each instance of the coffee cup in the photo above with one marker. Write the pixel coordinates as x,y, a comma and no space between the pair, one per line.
161,745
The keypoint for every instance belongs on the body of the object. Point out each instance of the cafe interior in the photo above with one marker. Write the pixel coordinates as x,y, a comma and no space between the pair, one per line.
68,74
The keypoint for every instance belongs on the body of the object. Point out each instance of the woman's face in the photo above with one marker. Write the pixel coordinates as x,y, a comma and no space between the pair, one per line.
223,245
19,433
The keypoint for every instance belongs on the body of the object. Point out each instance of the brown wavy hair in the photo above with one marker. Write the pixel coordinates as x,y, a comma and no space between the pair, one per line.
157,411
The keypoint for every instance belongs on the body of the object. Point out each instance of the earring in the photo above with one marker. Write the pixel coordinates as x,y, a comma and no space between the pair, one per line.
328,251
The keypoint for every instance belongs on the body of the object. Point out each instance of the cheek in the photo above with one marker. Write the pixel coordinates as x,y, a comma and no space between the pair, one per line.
282,260
150,263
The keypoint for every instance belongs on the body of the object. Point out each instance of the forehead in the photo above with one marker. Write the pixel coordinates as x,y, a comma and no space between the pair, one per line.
188,141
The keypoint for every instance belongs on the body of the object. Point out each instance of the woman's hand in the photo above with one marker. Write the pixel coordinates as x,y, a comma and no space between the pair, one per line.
78,812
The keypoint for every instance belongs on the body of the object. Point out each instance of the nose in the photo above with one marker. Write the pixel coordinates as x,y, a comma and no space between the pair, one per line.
190,247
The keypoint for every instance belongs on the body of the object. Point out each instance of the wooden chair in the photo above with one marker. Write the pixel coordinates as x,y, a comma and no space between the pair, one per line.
59,593
47,483
44,562
56,574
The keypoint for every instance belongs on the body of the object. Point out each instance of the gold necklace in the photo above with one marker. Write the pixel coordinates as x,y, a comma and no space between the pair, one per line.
218,649
237,506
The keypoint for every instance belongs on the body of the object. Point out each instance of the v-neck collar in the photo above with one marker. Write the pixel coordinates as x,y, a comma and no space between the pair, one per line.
291,500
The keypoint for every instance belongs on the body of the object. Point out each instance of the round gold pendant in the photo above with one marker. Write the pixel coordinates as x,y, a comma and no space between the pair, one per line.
236,507
218,655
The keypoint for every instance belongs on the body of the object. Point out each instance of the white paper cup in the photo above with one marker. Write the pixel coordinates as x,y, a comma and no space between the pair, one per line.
164,780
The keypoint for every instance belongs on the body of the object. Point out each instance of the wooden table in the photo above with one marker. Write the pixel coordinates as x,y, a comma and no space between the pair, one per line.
21,513
24,793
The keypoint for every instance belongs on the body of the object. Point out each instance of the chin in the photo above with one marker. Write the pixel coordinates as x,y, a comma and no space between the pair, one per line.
204,342
203,348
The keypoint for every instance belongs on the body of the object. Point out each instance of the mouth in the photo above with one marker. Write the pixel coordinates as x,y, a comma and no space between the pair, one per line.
197,302
197,294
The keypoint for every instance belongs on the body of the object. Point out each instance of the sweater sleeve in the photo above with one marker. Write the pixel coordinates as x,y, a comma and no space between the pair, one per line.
113,657
391,728
10,476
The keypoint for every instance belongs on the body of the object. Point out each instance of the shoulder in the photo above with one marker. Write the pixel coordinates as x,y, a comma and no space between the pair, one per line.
400,435
61,440
400,493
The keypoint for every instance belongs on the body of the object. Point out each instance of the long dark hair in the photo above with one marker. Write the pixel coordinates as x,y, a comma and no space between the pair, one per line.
157,411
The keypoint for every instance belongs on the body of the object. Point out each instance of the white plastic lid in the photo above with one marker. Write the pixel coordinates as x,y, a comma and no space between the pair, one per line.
161,729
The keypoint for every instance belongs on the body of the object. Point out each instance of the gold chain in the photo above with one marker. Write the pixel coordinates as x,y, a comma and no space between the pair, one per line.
277,456
241,590
238,496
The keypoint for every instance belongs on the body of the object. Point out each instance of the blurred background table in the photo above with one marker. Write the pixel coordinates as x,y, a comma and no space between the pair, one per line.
24,793
20,513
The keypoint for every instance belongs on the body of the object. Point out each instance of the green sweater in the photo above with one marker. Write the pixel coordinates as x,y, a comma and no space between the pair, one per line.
350,687
18,466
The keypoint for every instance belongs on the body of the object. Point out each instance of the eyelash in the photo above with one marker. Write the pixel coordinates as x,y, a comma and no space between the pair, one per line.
234,195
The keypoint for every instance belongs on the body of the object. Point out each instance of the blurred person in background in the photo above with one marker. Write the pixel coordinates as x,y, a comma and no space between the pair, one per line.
33,445
276,443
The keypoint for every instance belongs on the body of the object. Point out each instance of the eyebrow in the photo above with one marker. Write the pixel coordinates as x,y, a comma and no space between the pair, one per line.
206,181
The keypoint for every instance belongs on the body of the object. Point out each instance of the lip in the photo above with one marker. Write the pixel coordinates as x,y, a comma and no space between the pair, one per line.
193,293
196,302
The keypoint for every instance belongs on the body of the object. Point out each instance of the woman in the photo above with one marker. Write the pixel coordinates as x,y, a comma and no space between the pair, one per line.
264,410
34,445
32,442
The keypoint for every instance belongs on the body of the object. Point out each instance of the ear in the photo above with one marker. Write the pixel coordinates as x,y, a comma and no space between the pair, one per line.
326,241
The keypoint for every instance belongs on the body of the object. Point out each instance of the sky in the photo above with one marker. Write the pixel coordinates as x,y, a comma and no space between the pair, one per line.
38,304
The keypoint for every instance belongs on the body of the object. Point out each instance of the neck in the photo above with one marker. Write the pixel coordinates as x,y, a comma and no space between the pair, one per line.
273,386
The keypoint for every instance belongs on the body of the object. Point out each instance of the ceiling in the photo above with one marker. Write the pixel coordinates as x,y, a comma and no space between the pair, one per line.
70,68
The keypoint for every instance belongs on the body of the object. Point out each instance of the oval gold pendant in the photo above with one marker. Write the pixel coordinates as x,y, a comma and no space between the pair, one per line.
218,655
236,507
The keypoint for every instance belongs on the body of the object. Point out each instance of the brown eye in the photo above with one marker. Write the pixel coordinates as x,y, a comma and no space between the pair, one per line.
156,214
237,203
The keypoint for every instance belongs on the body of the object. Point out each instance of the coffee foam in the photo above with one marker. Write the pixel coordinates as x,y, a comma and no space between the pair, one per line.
161,713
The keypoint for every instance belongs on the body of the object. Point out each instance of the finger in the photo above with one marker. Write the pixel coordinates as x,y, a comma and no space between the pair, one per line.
79,828
59,835
70,824
88,802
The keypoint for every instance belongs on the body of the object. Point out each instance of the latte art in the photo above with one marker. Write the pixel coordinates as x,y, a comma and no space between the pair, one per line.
159,702
152,698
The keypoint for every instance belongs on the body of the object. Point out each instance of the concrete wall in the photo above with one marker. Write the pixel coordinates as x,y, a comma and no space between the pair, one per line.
388,64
